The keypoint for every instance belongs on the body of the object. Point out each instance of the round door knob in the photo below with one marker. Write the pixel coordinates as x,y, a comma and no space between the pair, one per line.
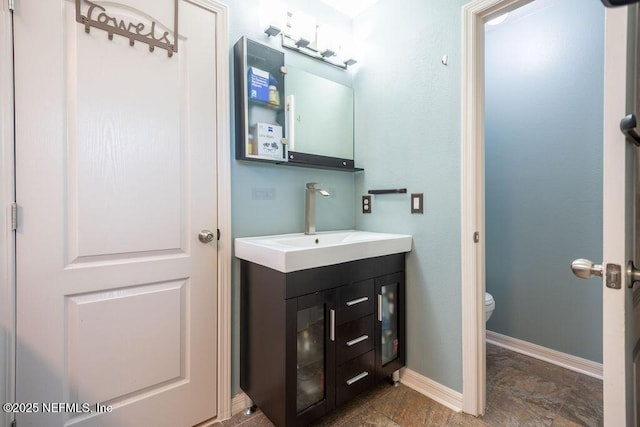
585,269
633,274
206,236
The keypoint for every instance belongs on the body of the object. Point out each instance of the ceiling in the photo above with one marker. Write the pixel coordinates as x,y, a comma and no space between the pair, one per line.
351,8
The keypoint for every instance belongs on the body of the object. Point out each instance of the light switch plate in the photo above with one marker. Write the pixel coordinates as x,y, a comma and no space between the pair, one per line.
366,204
417,203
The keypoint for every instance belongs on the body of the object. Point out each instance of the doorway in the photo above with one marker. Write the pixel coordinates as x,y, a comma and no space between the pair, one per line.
543,175
473,202
543,191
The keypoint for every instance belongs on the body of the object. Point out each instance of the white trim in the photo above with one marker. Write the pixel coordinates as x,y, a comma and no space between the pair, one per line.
473,369
7,248
472,201
224,210
239,403
564,360
432,389
223,156
474,15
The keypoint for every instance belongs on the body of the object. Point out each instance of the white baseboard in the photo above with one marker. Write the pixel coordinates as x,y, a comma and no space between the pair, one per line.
574,363
239,403
433,390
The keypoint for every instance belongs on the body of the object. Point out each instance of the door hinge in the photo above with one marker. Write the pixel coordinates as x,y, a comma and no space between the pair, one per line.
14,216
218,234
476,237
12,7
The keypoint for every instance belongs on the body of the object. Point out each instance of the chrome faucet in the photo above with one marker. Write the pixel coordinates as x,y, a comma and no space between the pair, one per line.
310,207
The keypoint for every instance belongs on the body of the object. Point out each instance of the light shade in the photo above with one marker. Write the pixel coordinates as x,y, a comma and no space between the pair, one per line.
346,53
328,39
303,26
351,8
273,16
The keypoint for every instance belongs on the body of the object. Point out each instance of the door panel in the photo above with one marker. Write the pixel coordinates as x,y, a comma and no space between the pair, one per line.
619,176
633,211
156,363
116,154
113,173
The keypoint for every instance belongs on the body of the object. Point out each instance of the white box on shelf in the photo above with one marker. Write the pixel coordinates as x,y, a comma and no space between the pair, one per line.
269,140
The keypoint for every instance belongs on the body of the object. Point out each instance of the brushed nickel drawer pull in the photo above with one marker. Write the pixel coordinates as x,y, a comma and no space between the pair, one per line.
357,301
357,378
357,340
379,307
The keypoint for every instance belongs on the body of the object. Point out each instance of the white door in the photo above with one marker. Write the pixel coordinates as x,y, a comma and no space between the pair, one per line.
116,177
620,311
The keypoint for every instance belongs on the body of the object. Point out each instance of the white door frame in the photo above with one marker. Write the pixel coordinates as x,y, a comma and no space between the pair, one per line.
7,253
474,15
7,247
223,166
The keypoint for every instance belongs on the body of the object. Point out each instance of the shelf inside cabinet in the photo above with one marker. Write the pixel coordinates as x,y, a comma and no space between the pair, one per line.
264,104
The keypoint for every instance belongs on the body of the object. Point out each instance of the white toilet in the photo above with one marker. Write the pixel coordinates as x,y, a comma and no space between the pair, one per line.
489,306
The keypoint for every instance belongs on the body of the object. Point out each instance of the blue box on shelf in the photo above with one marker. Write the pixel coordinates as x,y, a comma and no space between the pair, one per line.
259,82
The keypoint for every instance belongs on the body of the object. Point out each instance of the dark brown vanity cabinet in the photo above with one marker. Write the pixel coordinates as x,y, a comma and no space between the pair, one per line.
312,340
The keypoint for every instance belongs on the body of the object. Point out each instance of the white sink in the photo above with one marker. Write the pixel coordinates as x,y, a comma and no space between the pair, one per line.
292,252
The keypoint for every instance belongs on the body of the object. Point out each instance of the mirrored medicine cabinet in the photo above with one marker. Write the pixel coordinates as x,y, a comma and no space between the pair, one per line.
286,115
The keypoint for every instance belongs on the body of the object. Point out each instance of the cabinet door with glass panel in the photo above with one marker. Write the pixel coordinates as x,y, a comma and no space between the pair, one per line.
260,117
390,325
311,344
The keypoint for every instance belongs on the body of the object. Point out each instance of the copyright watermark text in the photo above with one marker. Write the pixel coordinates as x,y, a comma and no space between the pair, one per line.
54,408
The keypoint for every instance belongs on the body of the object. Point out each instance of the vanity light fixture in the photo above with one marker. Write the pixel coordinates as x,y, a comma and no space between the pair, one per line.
328,55
303,35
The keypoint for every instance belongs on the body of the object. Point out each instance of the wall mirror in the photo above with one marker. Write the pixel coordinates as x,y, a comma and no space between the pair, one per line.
319,115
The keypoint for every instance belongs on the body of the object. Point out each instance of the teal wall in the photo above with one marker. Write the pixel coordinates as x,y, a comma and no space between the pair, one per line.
283,210
544,97
408,136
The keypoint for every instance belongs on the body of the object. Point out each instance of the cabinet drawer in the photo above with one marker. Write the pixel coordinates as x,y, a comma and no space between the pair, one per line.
354,377
354,301
354,338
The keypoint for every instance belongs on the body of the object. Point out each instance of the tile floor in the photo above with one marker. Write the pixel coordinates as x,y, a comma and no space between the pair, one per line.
521,391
